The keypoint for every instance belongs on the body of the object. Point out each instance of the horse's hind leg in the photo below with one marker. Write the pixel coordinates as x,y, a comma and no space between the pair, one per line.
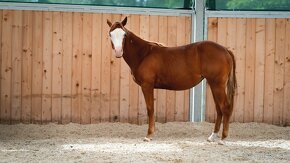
214,136
222,107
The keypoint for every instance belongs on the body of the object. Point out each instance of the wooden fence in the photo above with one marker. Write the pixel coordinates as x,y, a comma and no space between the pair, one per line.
262,50
58,67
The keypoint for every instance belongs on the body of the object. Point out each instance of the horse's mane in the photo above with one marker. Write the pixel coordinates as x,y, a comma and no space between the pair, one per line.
157,44
150,42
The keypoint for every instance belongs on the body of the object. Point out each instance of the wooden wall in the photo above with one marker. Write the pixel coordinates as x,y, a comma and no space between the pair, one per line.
58,67
262,51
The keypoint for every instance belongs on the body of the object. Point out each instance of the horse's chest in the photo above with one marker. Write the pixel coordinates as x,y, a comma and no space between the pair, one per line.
134,78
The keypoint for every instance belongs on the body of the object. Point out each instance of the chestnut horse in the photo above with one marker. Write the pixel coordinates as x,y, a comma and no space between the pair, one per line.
178,68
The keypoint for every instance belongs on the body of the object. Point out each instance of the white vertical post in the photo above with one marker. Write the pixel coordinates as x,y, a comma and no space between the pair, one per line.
198,93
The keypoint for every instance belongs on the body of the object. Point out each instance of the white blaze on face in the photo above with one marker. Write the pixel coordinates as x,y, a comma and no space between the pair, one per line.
117,37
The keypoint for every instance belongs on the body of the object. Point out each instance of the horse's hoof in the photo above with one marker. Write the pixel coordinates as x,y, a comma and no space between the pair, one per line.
213,137
221,142
147,139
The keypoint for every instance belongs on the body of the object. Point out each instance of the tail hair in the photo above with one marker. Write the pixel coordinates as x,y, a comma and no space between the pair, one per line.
232,82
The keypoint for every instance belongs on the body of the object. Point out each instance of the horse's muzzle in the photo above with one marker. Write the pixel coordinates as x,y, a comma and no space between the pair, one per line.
118,53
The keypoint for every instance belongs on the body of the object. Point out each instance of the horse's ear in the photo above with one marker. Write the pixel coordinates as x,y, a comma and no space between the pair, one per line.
124,22
109,23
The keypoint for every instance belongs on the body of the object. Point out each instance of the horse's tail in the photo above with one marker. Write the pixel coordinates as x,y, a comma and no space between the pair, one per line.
232,82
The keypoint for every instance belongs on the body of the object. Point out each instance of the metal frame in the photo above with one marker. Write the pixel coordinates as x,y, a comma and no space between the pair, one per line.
248,14
94,9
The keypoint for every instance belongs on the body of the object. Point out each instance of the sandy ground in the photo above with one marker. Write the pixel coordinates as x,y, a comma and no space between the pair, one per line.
117,142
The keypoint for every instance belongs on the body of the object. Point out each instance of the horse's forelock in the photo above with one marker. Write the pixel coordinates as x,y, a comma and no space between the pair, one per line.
117,25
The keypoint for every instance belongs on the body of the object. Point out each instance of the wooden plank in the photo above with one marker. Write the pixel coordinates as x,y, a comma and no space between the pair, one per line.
161,94
240,69
133,92
124,85
269,71
286,107
171,41
56,66
115,82
16,66
96,68
86,69
26,69
144,34
36,112
76,66
153,36
47,67
259,70
105,70
210,105
279,71
66,67
231,44
6,66
250,69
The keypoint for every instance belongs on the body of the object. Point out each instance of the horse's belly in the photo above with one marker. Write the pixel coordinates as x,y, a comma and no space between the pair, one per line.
178,82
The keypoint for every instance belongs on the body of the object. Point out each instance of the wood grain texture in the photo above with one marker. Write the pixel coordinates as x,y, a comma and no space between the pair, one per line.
279,71
106,70
269,71
66,101
76,66
6,66
26,70
250,70
86,69
57,39
96,68
59,67
47,67
16,66
259,70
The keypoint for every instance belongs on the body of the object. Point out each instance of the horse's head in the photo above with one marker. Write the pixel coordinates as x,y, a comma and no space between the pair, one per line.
117,34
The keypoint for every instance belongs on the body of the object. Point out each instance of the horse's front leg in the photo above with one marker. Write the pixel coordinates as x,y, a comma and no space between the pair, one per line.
147,90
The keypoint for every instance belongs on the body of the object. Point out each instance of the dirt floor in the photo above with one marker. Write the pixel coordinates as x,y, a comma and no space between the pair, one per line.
117,142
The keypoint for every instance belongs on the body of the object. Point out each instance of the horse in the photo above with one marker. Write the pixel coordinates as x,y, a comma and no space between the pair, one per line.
155,66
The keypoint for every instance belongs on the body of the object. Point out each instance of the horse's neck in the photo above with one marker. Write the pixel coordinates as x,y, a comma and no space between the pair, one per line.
135,50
